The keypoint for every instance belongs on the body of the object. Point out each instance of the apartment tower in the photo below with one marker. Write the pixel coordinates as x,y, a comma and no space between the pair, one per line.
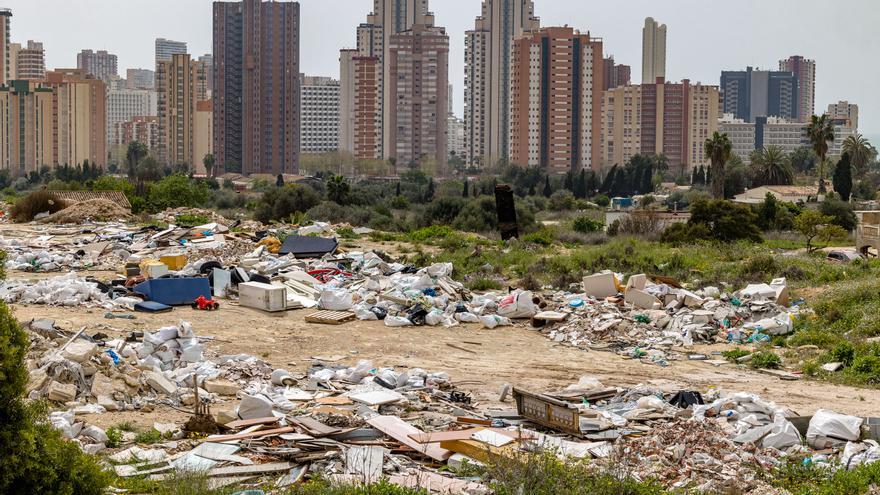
7,68
556,104
140,79
26,133
488,49
804,71
845,111
759,93
360,113
99,64
166,48
256,86
615,74
79,117
30,62
180,85
419,75
320,114
653,51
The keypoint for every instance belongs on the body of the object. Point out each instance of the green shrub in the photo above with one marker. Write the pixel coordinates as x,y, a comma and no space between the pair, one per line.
443,210
685,233
36,459
867,367
841,212
382,487
544,236
766,360
148,436
585,225
280,202
602,200
192,220
734,354
175,191
799,478
114,437
561,200
843,353
484,284
431,233
727,221
26,208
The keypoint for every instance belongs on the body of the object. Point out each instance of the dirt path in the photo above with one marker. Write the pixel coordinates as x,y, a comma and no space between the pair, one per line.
515,355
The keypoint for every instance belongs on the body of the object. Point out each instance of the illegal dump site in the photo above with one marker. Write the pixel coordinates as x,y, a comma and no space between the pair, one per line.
237,357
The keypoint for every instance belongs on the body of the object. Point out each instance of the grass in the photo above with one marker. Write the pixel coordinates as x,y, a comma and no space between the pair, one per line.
800,479
734,354
178,483
766,360
149,436
192,220
383,487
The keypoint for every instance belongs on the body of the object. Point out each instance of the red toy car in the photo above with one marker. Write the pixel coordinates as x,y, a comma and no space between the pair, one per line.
205,304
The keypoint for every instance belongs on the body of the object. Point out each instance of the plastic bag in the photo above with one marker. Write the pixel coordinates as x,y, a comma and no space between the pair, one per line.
254,406
828,427
435,317
397,321
335,300
517,305
492,321
467,317
363,312
782,435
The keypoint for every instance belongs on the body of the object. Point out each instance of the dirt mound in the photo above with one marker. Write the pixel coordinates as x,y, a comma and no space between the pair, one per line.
94,209
170,215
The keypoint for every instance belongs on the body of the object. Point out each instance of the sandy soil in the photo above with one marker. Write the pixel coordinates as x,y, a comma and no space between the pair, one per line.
516,355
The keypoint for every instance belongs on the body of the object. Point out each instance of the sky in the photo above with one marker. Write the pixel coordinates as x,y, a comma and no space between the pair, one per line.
704,36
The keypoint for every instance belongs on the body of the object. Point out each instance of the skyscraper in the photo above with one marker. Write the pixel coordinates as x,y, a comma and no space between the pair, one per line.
653,51
360,115
487,77
804,71
320,114
208,60
556,100
418,60
389,17
180,85
30,63
759,93
123,104
79,117
140,78
99,64
845,111
166,48
256,86
7,69
25,127
615,74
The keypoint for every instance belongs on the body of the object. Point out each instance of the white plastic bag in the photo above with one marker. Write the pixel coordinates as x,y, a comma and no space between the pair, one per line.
335,300
492,321
517,305
254,406
828,427
397,321
467,317
782,435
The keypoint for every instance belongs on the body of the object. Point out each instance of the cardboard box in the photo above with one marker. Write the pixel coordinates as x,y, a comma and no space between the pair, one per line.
261,296
175,262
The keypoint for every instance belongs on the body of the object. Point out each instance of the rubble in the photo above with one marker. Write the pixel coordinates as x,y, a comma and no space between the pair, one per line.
98,209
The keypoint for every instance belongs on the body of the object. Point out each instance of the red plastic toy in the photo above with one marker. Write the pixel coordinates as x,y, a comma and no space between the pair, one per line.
205,304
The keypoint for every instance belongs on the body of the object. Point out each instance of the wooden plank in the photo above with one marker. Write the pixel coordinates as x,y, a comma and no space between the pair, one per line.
339,400
473,421
441,436
365,462
480,451
244,423
314,427
330,317
252,434
461,348
400,430
272,467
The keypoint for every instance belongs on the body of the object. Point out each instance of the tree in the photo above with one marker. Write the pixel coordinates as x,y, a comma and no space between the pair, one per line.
860,151
429,191
660,162
338,189
208,162
771,167
548,191
279,181
820,132
175,191
726,221
803,159
580,186
841,212
736,177
812,224
718,149
568,184
137,151
397,192
842,178
464,193
279,203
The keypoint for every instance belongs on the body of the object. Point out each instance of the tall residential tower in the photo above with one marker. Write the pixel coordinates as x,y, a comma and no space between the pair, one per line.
7,69
804,71
653,51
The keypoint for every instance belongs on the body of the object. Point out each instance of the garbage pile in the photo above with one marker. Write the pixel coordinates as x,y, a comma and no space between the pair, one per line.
64,290
645,318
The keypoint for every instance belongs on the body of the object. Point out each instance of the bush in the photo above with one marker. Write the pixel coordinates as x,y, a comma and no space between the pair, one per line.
443,210
543,237
175,191
685,233
841,212
734,354
561,200
867,367
766,360
225,199
279,203
477,215
585,225
36,459
332,212
726,221
382,487
602,200
37,202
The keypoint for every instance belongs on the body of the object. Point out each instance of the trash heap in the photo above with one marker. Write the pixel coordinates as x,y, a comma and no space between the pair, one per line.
645,318
64,290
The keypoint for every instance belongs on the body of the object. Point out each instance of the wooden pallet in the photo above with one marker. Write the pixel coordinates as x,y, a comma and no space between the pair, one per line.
330,317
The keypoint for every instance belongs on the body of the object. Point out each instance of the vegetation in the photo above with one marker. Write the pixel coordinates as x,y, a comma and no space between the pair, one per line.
813,225
804,478
279,203
719,150
765,360
771,166
820,131
33,204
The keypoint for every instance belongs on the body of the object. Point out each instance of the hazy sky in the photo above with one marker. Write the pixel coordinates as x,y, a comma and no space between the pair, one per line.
704,36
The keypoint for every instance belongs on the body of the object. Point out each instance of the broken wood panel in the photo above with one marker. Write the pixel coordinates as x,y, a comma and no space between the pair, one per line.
252,434
315,427
400,430
244,423
330,317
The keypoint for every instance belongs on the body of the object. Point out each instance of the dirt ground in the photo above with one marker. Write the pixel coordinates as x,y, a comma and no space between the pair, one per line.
516,355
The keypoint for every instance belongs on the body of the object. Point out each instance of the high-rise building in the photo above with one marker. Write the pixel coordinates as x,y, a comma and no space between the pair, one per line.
844,110
784,134
144,129
388,17
140,79
180,85
555,114
7,69
208,60
320,114
166,48
26,134
99,64
804,71
123,105
256,86
203,134
653,51
758,93
79,117
30,63
487,77
360,113
615,74
661,118
418,62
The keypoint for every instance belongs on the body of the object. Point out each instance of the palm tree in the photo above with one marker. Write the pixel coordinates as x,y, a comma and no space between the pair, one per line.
860,152
820,131
772,167
137,151
337,189
718,149
208,162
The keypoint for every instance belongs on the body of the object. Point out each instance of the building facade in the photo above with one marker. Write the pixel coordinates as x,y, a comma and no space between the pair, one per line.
774,131
180,85
141,128
79,117
653,51
844,110
555,114
320,114
26,132
123,105
208,60
621,124
757,93
360,128
256,86
804,71
488,49
140,79
166,48
7,67
203,134
30,62
419,74
99,64
615,74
